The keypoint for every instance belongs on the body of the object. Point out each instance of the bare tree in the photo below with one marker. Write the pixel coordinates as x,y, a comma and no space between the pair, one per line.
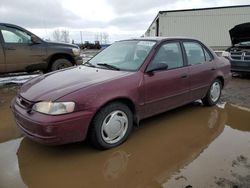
65,36
97,37
103,38
61,36
56,35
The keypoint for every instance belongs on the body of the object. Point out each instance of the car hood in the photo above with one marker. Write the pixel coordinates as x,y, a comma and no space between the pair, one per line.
240,33
62,44
50,87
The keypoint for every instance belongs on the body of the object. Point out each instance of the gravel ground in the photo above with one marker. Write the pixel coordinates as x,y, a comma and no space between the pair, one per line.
237,91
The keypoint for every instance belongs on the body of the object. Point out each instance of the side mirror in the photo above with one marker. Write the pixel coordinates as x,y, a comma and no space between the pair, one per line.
155,67
35,39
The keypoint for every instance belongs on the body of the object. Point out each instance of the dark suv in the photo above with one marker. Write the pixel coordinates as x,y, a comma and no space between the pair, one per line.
240,49
21,50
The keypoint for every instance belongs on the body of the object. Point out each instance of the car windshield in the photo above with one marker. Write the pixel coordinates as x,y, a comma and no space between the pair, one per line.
123,55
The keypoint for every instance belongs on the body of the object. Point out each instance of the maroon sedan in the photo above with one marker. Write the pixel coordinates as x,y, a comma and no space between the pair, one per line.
128,81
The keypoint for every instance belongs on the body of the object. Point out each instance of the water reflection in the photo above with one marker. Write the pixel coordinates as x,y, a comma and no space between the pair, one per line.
160,147
115,165
151,157
8,128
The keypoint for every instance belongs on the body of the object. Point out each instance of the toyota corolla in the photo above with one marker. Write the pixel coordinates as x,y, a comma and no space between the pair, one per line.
131,80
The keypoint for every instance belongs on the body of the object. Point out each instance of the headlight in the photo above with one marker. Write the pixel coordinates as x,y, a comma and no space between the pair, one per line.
76,51
54,108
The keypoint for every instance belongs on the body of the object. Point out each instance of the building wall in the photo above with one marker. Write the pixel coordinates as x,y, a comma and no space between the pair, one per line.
210,26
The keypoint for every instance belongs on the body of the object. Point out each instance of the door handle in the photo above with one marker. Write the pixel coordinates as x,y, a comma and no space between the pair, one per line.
184,76
10,48
212,69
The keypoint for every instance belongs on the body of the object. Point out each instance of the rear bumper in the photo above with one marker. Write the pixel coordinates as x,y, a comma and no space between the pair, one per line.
52,130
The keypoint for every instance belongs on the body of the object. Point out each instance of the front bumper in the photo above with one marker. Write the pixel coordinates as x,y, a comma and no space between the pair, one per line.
78,60
240,66
52,130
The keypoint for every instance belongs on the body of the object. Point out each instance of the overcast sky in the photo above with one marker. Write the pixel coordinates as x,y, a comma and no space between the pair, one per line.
119,18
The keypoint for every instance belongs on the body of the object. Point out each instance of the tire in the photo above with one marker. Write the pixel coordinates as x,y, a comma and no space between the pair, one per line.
107,131
60,64
213,95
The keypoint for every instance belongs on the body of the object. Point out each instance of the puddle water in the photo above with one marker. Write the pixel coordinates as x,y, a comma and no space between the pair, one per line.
8,128
190,146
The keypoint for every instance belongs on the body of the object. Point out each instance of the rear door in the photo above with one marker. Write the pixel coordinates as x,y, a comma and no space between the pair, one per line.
201,68
166,89
20,52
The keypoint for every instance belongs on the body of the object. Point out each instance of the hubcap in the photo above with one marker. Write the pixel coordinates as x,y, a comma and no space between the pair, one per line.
114,127
62,66
215,91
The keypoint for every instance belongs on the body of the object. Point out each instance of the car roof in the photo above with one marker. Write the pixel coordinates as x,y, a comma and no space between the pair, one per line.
8,24
160,38
13,26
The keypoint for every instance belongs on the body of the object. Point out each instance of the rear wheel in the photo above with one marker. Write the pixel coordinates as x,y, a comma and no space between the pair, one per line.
213,94
60,64
111,126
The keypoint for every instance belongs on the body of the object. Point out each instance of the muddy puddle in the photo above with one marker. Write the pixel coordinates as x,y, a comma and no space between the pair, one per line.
7,124
192,146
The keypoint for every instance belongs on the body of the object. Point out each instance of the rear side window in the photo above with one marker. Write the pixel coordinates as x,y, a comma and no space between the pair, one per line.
170,54
195,53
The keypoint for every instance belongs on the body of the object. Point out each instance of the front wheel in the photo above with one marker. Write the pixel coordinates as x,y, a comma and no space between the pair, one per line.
111,126
213,94
60,64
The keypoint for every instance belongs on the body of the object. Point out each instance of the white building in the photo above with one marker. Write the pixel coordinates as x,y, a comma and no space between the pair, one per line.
210,25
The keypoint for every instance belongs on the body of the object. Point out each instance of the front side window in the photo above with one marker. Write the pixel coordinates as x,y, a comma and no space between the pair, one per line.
194,52
124,55
11,35
169,54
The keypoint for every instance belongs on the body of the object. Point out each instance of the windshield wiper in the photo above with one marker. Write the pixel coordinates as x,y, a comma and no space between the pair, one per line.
89,64
108,66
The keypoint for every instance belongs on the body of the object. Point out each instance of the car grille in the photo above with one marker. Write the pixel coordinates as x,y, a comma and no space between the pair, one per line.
23,102
240,56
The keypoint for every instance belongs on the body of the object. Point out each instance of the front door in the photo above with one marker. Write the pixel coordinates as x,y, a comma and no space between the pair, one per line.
20,52
166,89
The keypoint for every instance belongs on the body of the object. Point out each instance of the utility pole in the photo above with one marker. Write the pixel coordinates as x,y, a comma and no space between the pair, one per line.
81,36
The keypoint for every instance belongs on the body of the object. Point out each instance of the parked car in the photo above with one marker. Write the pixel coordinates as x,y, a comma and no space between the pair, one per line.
240,49
126,82
21,50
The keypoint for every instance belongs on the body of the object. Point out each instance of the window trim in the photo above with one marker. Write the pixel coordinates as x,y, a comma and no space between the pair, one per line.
1,36
204,51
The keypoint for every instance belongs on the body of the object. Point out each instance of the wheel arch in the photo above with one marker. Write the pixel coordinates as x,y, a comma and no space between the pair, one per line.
221,80
59,56
124,100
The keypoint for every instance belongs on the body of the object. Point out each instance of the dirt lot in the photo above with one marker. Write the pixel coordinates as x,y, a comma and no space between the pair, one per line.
238,91
192,146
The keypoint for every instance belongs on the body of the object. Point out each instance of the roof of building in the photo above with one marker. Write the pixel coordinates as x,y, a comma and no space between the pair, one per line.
209,8
198,9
